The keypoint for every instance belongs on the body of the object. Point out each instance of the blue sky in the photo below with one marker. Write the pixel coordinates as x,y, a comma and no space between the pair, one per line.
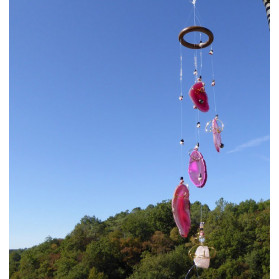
95,115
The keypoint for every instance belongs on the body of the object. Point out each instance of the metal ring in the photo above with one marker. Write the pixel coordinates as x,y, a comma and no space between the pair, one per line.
222,125
193,29
190,252
210,128
214,254
220,129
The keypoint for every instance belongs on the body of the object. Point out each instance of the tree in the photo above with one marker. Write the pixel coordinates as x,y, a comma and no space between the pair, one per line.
64,266
94,274
106,257
14,261
137,225
130,244
161,217
160,243
164,266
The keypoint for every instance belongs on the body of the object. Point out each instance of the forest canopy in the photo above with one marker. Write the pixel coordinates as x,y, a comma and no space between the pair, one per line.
145,243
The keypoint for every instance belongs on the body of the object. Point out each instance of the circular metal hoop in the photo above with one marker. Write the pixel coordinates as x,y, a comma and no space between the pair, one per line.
210,129
214,252
191,254
193,29
222,125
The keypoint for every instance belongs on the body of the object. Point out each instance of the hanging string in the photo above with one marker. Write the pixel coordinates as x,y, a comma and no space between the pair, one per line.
181,118
201,212
190,271
198,112
197,71
180,71
189,16
195,64
198,129
200,56
195,67
194,4
197,14
181,95
195,51
201,62
213,79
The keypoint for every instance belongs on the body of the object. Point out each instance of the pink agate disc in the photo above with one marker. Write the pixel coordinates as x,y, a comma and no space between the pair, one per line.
199,97
197,169
216,135
181,209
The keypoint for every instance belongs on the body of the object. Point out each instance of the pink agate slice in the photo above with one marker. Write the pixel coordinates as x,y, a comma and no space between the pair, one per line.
197,169
181,209
216,135
199,97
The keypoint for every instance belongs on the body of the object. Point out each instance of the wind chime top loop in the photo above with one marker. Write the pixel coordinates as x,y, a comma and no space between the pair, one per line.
195,29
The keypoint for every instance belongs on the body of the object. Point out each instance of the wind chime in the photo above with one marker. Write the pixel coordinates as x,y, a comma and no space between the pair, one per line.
197,166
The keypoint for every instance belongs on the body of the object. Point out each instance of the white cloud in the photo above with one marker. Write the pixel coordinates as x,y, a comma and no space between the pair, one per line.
251,143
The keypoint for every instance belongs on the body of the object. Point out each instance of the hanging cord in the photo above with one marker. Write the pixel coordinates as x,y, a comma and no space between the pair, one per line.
189,16
194,4
197,14
198,112
180,71
213,79
200,56
198,136
181,157
190,271
197,71
181,118
195,51
195,66
198,129
201,212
